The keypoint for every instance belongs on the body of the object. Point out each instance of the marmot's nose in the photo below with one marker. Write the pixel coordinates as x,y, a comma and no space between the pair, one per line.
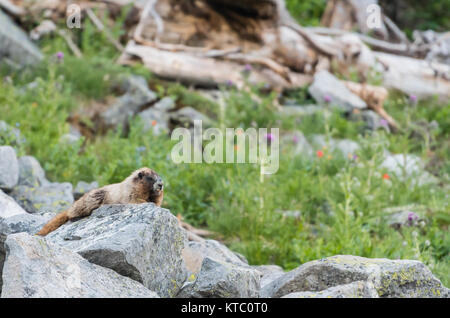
159,184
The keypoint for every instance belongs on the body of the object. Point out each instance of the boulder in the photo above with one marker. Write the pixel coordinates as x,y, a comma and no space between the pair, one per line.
218,279
35,269
156,117
345,147
140,241
195,252
408,167
269,273
297,143
84,187
52,197
31,173
9,168
24,222
327,89
358,289
187,115
391,278
126,106
15,45
9,207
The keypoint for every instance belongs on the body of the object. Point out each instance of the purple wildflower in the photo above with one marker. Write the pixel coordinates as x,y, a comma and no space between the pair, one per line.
269,137
327,98
412,216
247,68
295,139
384,123
60,56
413,98
229,83
355,157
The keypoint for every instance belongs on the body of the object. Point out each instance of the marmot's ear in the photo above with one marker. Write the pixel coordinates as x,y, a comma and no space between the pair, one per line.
140,175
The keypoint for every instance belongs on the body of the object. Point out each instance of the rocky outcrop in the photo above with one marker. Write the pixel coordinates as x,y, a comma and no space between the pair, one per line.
327,89
143,242
35,269
53,197
358,289
126,106
9,168
83,187
390,278
219,279
15,45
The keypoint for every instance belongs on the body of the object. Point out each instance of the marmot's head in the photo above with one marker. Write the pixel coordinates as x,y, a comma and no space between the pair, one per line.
148,182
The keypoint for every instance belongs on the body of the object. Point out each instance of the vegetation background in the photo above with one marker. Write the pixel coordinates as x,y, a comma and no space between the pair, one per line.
341,203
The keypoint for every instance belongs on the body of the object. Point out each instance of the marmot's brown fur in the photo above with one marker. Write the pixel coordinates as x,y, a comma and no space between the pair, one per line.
143,185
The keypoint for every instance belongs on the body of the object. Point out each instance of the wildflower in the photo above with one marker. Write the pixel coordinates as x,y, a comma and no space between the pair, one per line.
236,147
412,216
229,83
422,223
327,98
295,139
154,122
60,56
384,123
427,243
413,98
355,157
329,157
415,234
17,124
247,68
386,176
269,137
34,104
405,243
319,153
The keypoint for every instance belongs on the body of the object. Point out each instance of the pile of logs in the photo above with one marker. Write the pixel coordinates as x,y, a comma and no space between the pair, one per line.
209,42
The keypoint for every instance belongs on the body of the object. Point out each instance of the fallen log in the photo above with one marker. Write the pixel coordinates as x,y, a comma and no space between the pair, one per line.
207,72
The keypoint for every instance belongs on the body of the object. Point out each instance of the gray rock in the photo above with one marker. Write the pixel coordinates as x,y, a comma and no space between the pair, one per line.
137,95
326,85
297,143
141,241
155,120
84,187
358,289
391,278
301,110
344,147
73,136
9,168
156,117
187,115
31,173
218,279
372,120
405,167
53,197
9,207
403,216
195,252
35,269
269,273
23,222
15,45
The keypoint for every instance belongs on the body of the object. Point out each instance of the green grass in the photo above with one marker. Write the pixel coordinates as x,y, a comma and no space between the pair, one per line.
341,202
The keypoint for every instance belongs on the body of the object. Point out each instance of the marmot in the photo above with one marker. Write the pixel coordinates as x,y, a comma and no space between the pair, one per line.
143,185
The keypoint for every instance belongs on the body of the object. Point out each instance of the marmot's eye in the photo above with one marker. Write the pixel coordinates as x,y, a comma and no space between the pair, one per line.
140,175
